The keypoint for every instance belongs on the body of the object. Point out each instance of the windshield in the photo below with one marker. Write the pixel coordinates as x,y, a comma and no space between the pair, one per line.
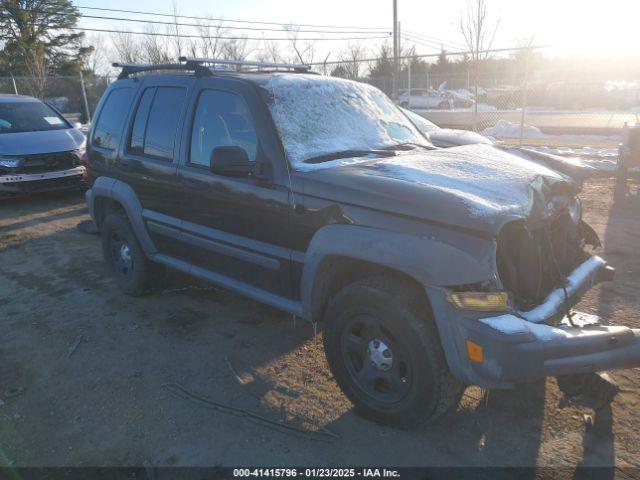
422,123
16,117
318,116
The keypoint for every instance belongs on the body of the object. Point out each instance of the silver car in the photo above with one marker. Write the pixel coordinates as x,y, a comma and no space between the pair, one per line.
39,149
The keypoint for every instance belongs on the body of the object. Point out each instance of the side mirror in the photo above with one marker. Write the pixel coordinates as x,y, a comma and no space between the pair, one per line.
231,162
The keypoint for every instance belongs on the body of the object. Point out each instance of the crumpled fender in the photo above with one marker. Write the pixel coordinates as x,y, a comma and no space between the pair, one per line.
428,260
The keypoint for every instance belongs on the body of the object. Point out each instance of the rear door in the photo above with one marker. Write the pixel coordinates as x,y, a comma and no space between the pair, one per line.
148,160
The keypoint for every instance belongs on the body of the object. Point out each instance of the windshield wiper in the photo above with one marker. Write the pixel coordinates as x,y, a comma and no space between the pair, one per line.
327,157
407,146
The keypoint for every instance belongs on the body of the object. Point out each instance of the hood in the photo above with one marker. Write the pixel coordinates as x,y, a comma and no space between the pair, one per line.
33,143
474,187
447,137
574,167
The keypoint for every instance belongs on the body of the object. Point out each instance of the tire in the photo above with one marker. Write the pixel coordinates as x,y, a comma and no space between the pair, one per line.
408,385
134,273
444,106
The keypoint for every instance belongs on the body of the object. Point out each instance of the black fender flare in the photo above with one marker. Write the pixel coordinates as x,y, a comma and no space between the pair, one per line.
427,260
107,187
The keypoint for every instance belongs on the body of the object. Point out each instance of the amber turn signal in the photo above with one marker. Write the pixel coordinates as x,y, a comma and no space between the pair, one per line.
479,301
474,351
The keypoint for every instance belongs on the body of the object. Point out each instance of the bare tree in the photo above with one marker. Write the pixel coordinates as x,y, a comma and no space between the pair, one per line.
38,70
269,53
155,48
96,61
177,40
352,59
127,48
304,51
478,35
234,49
209,44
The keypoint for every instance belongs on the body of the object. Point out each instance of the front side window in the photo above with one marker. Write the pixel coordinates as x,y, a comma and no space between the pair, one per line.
155,127
108,127
222,119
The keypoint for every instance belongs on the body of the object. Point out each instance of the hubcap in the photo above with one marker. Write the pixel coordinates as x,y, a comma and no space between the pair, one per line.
376,359
121,254
380,354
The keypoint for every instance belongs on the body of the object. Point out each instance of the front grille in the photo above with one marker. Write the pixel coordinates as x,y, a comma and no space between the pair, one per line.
532,262
48,162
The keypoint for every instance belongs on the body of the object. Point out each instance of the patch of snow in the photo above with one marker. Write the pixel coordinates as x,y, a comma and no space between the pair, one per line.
556,298
321,115
486,179
510,325
506,129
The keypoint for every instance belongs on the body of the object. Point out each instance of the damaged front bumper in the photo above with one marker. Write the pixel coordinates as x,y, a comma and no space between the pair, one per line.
525,346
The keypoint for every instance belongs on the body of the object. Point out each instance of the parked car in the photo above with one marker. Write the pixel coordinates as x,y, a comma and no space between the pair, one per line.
449,137
429,269
39,149
424,98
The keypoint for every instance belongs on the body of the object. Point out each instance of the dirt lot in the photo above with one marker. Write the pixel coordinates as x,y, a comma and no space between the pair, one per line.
84,368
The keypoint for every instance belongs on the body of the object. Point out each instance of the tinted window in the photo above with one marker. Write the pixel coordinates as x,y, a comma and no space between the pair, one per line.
222,119
18,117
108,128
136,145
162,124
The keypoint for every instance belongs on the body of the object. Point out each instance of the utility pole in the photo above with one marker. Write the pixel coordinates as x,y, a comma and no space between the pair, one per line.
396,53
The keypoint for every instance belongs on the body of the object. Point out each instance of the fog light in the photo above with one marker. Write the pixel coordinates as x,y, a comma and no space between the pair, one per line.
474,351
479,301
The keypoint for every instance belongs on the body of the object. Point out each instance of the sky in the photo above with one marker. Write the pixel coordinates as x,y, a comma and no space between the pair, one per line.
585,27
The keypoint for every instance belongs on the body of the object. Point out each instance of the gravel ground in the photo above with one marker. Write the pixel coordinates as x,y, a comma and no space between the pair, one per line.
86,373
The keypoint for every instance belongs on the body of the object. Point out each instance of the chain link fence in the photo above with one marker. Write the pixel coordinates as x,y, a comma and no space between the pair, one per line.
74,96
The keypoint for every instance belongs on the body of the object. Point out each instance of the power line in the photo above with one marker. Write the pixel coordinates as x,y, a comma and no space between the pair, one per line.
433,55
431,43
221,37
434,39
137,12
282,29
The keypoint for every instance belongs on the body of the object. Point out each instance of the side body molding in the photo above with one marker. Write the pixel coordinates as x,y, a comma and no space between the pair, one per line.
112,188
425,259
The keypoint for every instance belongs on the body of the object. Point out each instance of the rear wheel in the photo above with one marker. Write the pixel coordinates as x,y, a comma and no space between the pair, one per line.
384,352
134,273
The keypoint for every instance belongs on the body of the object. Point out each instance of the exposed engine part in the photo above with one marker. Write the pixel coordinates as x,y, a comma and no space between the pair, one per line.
534,261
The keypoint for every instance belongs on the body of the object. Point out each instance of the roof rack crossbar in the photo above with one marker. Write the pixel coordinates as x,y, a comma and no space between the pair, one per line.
132,68
298,67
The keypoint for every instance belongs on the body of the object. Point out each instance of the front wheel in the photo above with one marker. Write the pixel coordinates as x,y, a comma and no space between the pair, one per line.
385,354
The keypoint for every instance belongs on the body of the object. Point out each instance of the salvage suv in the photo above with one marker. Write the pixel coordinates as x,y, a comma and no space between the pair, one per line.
430,269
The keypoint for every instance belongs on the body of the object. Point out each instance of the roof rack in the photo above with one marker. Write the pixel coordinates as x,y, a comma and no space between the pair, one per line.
296,67
132,68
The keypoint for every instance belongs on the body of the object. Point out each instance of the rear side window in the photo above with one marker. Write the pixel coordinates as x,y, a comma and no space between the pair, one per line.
155,126
108,128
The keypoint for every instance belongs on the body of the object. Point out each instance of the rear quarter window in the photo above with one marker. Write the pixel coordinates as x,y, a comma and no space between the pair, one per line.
109,126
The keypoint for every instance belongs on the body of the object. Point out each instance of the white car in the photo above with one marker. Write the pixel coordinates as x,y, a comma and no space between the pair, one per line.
424,98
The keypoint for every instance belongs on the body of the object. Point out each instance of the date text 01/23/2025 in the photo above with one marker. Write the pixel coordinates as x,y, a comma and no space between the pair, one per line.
315,473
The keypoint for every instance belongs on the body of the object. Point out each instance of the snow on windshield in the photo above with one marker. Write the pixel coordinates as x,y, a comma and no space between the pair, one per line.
320,115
